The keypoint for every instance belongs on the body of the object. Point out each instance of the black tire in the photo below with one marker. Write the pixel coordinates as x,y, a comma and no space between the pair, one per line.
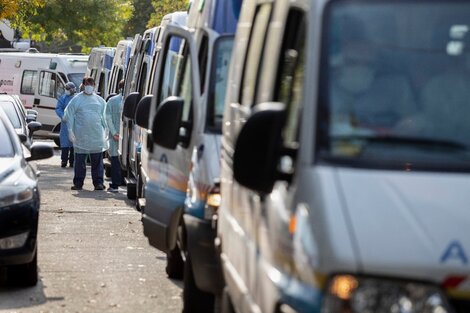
226,305
24,275
194,299
57,141
131,191
174,264
107,170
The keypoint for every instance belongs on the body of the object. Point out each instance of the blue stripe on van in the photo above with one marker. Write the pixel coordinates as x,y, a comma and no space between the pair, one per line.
194,208
168,198
301,297
226,16
108,62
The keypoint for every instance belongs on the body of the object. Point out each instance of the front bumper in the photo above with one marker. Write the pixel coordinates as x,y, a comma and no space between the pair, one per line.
15,220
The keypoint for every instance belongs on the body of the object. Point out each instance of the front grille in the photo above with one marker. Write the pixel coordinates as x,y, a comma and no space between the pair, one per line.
460,306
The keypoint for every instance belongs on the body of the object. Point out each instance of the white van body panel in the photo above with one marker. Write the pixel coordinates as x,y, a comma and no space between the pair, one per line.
12,68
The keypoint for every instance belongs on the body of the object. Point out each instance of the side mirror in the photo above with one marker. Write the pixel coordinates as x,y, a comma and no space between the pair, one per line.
130,105
31,112
23,138
258,148
167,123
34,126
30,118
40,151
143,111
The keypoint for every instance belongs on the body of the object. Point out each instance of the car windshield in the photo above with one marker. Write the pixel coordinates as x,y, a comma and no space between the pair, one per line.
10,110
396,87
6,146
76,78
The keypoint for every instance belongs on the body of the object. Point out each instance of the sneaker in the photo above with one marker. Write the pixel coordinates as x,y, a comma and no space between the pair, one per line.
111,189
76,188
71,165
63,165
99,187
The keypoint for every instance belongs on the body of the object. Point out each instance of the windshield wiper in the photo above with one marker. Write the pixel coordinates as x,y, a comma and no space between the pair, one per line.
405,140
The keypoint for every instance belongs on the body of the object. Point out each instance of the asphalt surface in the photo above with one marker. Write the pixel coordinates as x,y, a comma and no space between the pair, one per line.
93,256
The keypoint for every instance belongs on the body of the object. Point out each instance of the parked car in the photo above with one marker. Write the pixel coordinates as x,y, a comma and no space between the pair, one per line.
19,205
346,158
190,169
24,121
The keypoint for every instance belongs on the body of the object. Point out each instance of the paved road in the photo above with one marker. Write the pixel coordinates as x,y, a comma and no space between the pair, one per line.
93,256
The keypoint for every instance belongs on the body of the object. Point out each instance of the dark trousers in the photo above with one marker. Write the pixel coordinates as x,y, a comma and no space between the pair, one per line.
67,155
97,170
115,172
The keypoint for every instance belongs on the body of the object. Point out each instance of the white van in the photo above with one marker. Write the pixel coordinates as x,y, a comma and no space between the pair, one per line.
39,79
345,158
99,67
138,84
119,68
185,206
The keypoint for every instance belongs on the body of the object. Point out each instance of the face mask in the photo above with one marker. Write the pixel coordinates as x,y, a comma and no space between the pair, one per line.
88,90
356,78
67,92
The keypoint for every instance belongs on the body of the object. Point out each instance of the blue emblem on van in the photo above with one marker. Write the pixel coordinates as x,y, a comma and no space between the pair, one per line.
454,252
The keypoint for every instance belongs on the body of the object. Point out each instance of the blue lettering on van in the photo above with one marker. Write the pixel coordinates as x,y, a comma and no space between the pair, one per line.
454,251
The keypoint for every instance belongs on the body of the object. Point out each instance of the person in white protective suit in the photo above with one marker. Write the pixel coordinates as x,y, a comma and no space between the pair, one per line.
113,119
85,116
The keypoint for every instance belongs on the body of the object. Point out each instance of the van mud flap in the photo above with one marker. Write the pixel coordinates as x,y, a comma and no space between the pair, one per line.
162,216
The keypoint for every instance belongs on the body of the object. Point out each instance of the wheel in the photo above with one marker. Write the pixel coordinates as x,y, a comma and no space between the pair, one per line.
25,275
226,305
139,186
57,141
174,264
107,170
131,191
194,299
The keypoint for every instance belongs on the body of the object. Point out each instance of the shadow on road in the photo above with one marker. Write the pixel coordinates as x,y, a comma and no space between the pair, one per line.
15,298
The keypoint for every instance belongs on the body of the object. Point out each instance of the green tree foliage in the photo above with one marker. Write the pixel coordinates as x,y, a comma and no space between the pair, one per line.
137,24
87,23
163,7
17,11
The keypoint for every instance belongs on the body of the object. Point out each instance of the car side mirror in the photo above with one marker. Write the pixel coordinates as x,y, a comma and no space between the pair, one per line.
40,151
34,126
130,105
143,111
167,122
258,148
23,138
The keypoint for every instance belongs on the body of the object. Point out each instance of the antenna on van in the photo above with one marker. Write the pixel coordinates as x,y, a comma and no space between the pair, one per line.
32,50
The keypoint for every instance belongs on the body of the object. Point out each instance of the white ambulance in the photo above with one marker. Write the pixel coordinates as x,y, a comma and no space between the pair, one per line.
39,79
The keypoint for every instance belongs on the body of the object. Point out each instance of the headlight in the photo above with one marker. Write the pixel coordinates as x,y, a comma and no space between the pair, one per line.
13,242
352,294
11,195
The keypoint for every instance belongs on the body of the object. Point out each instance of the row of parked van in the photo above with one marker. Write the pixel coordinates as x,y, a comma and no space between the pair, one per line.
305,156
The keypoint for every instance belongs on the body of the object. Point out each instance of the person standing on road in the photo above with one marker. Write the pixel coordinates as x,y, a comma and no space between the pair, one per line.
66,145
113,118
85,116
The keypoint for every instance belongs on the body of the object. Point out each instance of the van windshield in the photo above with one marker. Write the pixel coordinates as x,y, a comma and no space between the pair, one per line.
76,78
395,88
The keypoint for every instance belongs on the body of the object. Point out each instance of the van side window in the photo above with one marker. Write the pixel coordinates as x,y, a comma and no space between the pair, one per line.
255,51
102,85
174,68
29,82
119,77
143,79
202,57
176,78
289,84
47,84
